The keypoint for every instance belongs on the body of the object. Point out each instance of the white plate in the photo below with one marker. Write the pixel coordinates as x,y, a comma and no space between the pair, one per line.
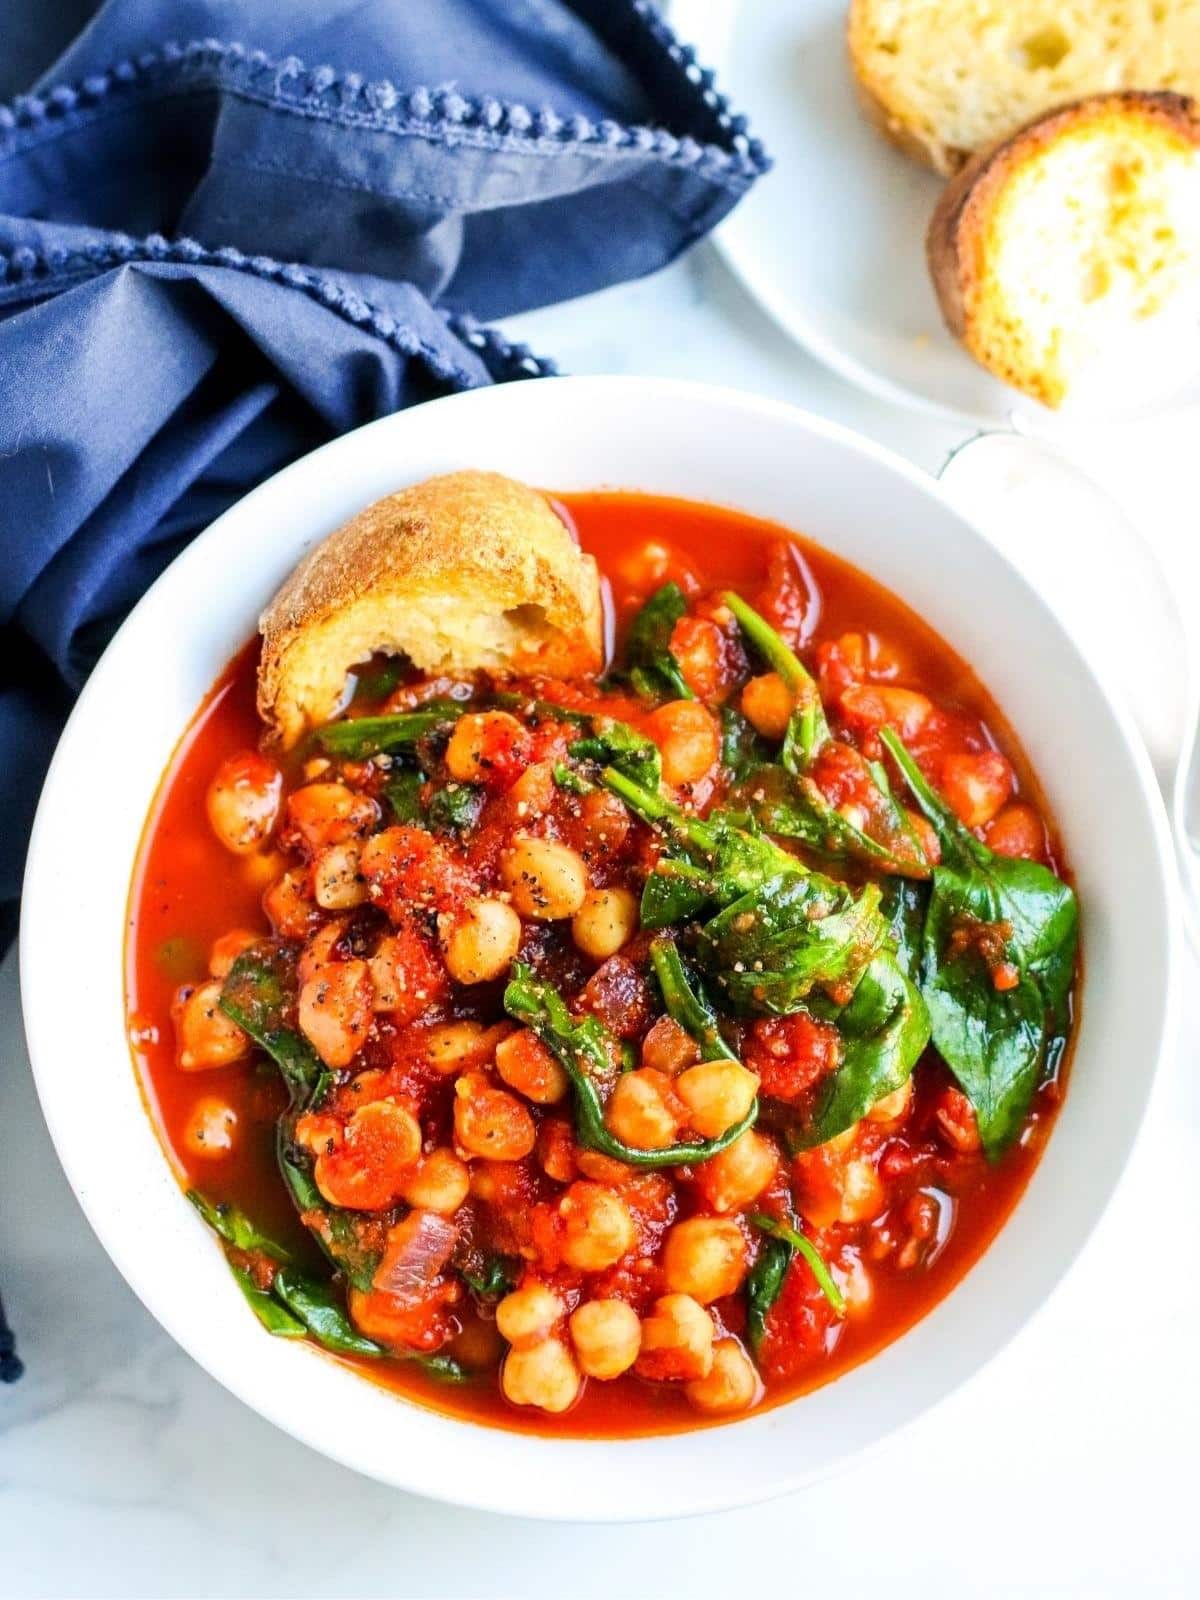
832,240
576,433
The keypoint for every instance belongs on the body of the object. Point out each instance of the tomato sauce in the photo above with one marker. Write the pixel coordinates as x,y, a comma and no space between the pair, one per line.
944,1200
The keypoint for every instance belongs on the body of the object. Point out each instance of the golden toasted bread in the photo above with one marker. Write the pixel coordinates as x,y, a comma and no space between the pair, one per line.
945,79
467,571
1073,241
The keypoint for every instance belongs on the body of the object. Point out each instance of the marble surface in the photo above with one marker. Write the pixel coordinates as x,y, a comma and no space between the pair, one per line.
1067,1468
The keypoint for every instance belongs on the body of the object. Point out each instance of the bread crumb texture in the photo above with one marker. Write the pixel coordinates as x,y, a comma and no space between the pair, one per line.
1058,250
470,571
945,79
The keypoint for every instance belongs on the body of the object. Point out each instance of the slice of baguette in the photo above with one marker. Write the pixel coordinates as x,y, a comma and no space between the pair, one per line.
945,79
462,572
1075,244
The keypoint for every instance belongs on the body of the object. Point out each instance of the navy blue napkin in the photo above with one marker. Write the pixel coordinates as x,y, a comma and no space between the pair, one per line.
231,229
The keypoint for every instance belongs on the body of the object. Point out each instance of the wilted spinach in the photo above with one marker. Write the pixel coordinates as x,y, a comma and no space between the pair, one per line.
456,807
653,670
616,744
359,737
994,1039
583,1047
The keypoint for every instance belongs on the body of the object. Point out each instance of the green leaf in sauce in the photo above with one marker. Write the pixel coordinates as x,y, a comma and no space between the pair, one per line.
653,670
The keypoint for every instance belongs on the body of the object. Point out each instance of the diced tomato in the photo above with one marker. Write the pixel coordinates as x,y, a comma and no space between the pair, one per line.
407,867
956,1121
403,1325
800,1327
367,1165
408,972
789,599
618,994
791,1054
698,645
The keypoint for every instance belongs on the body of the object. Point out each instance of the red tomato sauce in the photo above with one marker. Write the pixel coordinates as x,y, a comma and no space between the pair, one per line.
943,1202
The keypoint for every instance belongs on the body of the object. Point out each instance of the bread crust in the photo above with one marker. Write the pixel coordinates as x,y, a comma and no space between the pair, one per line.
874,104
956,240
470,570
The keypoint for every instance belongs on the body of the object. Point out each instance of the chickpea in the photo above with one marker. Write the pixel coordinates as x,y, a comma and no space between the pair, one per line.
205,1035
210,1129
468,756
450,1045
330,813
717,1094
855,1194
731,1385
527,1066
547,880
228,948
736,1176
321,949
544,1376
642,1111
335,1011
856,1286
366,1165
891,1107
243,801
607,1337
490,1122
677,1341
976,785
605,921
440,1182
688,738
1017,831
338,883
705,1257
599,1227
768,703
528,1315
480,941
289,906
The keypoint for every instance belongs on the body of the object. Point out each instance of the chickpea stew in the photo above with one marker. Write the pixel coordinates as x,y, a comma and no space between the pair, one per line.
610,1057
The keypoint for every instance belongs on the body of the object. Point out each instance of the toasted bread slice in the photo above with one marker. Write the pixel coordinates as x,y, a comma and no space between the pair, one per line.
945,79
1075,243
467,571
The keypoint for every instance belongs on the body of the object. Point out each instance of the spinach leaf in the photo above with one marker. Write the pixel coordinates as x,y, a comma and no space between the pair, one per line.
378,682
994,1040
497,1275
359,737
743,748
403,794
456,808
764,1284
786,801
573,782
234,1227
582,1046
616,744
807,729
884,1029
791,806
316,1306
259,994
772,947
798,1244
274,1316
686,1003
904,904
653,670
444,1367
714,860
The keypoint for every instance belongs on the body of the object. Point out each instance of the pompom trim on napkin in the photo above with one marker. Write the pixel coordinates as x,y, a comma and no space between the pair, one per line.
438,114
27,274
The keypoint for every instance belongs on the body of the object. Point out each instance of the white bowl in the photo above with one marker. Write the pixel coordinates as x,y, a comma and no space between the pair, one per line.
586,433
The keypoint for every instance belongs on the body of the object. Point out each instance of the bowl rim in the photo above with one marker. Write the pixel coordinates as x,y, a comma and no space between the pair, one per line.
36,948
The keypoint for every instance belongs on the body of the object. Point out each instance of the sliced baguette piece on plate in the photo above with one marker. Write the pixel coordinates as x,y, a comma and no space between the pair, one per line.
945,79
459,573
1073,247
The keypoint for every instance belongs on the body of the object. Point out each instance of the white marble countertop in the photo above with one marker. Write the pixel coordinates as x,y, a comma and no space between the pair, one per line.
1067,1468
